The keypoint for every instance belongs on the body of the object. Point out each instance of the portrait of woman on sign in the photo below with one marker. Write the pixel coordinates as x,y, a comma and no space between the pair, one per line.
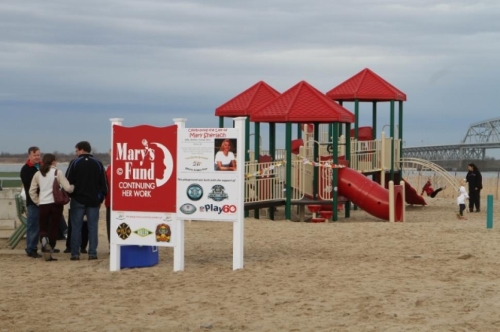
225,157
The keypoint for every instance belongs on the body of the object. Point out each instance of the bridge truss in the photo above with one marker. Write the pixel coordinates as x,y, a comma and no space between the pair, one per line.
479,137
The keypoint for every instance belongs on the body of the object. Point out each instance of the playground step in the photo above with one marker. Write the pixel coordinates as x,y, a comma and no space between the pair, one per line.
5,233
326,214
313,208
317,220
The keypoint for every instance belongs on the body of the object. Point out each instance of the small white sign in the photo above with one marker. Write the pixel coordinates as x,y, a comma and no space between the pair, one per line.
208,178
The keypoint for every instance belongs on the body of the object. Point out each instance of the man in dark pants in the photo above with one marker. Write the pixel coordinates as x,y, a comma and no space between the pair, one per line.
87,174
32,221
85,236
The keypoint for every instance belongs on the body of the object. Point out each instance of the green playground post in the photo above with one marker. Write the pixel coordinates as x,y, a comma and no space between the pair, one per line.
489,212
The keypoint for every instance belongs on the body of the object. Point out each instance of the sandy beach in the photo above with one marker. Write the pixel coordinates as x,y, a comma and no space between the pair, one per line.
431,273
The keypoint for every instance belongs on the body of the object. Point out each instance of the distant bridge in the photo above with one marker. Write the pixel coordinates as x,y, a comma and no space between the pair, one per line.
479,137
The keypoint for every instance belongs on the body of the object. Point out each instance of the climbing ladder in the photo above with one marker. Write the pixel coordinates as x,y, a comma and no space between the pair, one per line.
428,165
20,232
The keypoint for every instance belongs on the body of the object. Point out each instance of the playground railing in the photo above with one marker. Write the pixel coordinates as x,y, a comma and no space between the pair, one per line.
264,181
366,155
428,165
491,185
301,173
279,154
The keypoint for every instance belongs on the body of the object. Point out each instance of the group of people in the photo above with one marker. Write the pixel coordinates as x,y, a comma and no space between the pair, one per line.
474,180
87,183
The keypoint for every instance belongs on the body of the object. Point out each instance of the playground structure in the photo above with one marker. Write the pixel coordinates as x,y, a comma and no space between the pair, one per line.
367,157
265,183
327,164
330,162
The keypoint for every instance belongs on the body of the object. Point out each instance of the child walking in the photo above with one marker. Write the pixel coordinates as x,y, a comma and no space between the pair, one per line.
462,196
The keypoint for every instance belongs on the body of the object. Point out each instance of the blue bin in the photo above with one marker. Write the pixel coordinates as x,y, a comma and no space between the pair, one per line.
138,256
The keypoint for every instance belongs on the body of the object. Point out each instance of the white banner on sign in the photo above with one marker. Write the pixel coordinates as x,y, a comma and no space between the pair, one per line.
210,178
208,174
143,228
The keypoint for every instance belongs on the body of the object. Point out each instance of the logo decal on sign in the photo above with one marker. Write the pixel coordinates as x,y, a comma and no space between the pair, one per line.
168,162
163,233
143,232
218,193
188,208
218,209
194,192
123,231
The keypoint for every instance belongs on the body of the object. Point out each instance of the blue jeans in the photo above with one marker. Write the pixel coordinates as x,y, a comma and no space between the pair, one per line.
32,228
77,212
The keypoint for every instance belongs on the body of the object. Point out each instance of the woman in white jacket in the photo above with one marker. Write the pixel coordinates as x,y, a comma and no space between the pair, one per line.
41,194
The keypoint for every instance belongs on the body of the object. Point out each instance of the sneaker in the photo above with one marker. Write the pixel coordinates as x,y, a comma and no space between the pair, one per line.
46,248
92,257
67,251
34,254
83,251
50,259
56,251
75,258
45,243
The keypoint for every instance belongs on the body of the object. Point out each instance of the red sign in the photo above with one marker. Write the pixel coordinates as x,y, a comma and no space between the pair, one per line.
144,174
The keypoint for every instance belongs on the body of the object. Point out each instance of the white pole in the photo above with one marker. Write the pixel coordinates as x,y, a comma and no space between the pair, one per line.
114,252
382,159
392,205
179,224
239,224
403,199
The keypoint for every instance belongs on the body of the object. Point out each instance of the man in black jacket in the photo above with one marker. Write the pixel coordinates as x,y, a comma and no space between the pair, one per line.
88,176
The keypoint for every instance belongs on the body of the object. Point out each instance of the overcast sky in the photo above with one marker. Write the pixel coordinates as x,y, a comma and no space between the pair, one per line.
66,67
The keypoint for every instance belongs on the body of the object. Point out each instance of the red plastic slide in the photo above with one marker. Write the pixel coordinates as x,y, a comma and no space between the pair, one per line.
412,196
365,193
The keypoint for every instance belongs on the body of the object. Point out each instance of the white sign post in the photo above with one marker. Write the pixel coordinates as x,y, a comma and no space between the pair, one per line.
209,184
142,205
210,178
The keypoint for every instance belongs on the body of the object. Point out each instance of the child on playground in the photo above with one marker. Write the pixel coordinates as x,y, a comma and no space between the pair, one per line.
429,191
462,196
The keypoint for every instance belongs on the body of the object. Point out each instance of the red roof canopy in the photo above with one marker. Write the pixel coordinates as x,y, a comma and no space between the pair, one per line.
302,103
366,86
248,101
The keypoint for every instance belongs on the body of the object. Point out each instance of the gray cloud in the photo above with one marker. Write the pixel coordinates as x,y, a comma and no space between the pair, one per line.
153,60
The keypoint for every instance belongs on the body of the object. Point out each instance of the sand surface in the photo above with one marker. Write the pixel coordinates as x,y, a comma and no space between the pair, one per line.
431,273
